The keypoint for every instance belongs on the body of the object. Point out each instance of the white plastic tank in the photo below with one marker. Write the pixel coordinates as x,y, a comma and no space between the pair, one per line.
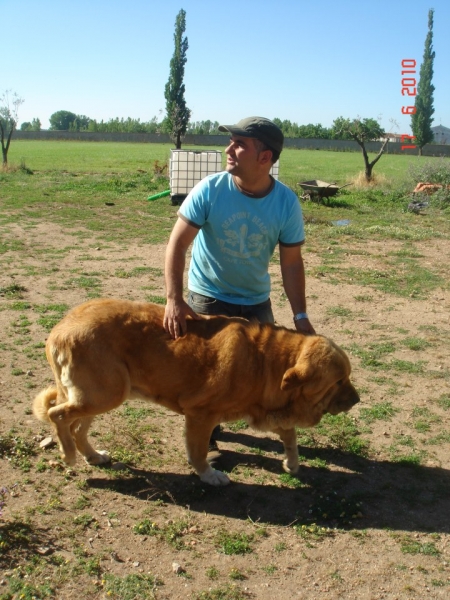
188,167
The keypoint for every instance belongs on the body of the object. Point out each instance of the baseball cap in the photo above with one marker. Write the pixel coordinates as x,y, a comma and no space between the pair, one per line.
260,128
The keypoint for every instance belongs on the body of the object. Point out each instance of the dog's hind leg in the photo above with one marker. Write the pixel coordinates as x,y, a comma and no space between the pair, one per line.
289,439
198,432
62,416
79,430
86,392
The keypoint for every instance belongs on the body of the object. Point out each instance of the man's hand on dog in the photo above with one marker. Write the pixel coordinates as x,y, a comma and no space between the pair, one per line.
175,316
304,326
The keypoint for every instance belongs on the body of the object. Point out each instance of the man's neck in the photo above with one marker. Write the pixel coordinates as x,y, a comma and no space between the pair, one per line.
259,188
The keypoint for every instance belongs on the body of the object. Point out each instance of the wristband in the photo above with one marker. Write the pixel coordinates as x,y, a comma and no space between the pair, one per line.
300,316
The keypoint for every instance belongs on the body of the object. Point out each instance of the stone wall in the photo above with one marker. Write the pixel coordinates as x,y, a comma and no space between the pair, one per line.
222,140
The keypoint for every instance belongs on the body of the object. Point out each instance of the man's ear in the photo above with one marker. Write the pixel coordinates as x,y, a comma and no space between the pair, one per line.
265,157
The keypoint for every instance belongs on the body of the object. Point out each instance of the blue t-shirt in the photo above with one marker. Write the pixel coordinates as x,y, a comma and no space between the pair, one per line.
237,237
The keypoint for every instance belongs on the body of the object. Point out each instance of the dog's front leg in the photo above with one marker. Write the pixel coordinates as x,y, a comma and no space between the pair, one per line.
198,432
289,439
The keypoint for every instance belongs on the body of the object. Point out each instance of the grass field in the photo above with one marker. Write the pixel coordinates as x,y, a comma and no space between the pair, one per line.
367,515
87,157
103,157
62,178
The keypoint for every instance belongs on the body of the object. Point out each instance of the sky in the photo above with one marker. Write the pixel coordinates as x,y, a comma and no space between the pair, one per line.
301,60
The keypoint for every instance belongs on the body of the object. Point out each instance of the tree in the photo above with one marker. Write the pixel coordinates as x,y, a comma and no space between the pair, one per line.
62,120
207,127
303,131
128,125
313,131
361,131
422,119
178,114
9,111
81,123
35,125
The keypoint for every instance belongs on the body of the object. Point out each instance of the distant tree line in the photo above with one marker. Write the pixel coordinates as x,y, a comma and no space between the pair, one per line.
128,125
293,130
64,120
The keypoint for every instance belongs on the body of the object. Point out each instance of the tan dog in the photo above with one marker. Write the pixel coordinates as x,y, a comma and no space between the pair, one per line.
428,188
223,369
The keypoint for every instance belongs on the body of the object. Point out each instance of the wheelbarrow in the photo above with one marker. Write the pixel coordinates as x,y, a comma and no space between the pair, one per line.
321,189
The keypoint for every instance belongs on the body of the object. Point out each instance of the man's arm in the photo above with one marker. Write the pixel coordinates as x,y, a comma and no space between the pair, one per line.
177,309
294,283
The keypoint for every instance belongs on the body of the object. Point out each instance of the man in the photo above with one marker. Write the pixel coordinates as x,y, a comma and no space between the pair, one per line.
235,219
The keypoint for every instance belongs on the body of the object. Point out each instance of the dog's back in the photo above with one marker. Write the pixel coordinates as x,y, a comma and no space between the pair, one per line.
122,344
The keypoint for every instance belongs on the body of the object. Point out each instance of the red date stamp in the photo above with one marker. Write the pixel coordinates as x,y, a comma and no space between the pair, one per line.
408,89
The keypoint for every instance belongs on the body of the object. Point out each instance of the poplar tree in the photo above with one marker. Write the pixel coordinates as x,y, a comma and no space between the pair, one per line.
422,119
178,113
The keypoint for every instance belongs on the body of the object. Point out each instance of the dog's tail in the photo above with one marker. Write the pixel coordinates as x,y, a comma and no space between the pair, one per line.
43,402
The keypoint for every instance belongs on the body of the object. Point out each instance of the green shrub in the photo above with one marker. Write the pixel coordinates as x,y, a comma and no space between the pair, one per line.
431,171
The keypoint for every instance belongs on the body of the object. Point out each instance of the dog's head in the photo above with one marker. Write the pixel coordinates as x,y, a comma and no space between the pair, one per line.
321,375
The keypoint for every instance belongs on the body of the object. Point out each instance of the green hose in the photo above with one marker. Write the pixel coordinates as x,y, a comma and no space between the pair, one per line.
160,195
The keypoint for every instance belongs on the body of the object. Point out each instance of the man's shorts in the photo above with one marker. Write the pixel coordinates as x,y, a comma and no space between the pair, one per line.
205,305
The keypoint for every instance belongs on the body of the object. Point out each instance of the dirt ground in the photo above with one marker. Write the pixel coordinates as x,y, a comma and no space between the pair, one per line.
353,525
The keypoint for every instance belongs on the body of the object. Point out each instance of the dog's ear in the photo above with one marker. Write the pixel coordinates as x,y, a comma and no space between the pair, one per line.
296,376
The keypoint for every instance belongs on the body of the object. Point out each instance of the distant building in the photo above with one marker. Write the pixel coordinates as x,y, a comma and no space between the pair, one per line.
392,137
441,134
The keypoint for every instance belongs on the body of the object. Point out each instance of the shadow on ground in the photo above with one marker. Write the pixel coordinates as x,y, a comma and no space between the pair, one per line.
359,493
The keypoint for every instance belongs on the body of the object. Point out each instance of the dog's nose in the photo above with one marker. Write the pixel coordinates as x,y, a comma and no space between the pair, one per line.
355,398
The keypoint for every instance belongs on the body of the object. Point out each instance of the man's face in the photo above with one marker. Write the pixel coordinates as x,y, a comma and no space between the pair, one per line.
242,156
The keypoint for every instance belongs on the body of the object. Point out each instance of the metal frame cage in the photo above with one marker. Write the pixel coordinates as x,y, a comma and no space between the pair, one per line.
188,167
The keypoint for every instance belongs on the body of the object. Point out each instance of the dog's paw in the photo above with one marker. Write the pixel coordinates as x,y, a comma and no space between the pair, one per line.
100,458
70,460
291,469
214,477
